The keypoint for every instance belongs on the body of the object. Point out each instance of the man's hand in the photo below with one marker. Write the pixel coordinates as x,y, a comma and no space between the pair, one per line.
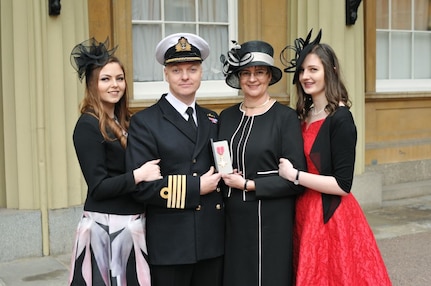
209,181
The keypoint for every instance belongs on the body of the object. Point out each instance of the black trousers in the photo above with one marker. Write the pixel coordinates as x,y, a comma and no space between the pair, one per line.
206,272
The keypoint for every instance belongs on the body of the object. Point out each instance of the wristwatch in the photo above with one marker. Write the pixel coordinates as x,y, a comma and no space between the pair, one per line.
296,182
245,185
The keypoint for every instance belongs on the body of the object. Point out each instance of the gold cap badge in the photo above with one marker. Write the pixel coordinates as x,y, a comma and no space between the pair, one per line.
183,45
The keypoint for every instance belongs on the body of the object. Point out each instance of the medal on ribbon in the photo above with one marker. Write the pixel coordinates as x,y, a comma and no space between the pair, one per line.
220,151
221,154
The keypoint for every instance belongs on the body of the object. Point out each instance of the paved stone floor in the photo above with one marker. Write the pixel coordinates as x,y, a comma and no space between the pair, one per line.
408,259
403,232
402,229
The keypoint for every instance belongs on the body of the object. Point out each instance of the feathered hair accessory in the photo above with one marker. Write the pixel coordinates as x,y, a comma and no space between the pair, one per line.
233,60
90,54
301,48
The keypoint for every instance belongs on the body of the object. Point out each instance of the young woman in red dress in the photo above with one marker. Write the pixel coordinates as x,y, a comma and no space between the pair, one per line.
333,242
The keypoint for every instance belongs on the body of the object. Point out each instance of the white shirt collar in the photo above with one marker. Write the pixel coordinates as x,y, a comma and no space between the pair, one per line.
180,106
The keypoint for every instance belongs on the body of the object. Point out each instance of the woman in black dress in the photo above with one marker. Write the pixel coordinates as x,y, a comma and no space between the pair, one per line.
110,246
259,203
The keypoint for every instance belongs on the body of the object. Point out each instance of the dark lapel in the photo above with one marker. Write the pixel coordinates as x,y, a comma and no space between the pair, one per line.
204,129
174,117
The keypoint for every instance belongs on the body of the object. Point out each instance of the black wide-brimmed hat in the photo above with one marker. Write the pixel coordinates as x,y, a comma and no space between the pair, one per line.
301,48
248,54
182,47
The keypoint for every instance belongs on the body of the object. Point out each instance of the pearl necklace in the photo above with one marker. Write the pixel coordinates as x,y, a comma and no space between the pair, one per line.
254,107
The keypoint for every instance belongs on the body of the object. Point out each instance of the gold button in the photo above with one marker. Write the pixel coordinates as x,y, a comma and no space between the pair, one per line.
218,190
218,206
194,161
198,208
195,174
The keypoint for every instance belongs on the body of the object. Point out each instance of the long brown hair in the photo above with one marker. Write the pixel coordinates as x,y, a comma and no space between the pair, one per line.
92,104
335,90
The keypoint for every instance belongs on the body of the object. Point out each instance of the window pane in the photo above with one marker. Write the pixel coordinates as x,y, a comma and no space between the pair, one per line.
382,53
400,55
422,55
145,66
382,14
155,19
180,10
213,10
422,14
217,38
401,15
146,9
180,28
403,48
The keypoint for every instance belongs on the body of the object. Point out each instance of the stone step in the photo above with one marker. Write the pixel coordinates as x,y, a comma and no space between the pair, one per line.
406,190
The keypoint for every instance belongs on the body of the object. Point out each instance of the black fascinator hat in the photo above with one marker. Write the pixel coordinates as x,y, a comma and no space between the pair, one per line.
89,55
301,48
252,53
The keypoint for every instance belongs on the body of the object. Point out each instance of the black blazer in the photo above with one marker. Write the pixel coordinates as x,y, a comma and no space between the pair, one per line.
333,153
183,227
102,163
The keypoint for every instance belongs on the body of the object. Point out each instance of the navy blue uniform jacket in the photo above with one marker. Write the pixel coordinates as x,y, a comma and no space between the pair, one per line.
183,227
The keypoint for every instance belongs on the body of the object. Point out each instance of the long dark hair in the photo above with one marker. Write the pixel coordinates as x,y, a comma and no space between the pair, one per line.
92,104
335,90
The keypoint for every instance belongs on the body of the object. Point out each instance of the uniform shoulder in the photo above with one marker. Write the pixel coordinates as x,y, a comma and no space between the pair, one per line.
147,110
208,111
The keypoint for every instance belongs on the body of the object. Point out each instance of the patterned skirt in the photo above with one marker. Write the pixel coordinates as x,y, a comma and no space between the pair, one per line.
110,250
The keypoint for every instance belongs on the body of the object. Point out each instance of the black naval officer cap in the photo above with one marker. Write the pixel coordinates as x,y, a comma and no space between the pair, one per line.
182,47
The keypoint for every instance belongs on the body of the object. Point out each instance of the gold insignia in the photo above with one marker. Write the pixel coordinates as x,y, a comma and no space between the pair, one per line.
183,45
175,192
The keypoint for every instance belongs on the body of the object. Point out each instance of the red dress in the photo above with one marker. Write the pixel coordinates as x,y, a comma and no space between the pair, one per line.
341,252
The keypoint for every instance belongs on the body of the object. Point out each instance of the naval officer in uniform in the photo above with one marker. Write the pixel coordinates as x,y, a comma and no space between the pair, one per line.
185,212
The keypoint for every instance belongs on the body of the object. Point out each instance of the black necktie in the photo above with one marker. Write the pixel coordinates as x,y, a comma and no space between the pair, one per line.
191,121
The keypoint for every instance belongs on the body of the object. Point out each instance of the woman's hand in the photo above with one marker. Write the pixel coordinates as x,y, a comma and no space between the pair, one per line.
234,180
149,171
286,170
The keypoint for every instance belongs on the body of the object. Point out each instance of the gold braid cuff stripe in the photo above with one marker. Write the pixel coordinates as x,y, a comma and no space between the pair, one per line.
175,192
